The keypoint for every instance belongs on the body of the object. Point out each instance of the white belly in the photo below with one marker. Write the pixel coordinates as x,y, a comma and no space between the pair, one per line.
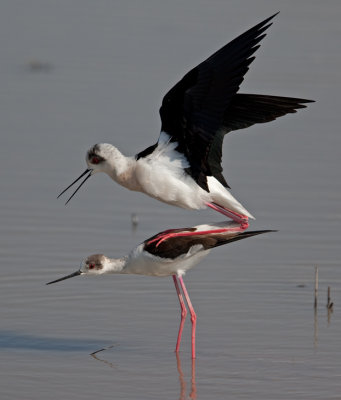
177,188
146,264
181,191
162,176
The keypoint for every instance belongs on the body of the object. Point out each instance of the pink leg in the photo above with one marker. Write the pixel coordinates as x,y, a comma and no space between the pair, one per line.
164,235
193,314
239,218
183,313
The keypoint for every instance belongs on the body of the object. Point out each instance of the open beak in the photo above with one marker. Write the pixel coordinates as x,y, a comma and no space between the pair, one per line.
86,178
66,277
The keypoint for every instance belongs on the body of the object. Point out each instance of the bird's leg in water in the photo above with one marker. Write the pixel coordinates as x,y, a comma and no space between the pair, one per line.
191,310
183,313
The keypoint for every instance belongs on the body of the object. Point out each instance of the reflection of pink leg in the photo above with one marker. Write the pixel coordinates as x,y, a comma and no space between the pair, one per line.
181,378
239,218
193,394
193,314
183,313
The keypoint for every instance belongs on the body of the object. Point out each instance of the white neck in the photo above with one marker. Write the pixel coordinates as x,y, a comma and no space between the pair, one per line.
115,265
121,168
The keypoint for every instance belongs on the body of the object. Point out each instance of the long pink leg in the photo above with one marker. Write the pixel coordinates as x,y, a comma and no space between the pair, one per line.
164,236
242,220
183,313
239,218
193,314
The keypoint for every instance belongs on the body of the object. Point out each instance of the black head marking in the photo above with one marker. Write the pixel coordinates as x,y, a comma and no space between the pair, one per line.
93,155
95,262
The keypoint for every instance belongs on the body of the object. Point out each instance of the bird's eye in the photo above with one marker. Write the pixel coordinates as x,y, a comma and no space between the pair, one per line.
95,160
91,266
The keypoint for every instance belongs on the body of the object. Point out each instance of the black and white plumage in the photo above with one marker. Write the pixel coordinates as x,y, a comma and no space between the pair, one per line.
184,167
169,253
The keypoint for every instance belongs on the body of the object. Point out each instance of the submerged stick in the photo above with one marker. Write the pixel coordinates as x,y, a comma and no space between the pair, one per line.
329,302
104,348
316,286
328,297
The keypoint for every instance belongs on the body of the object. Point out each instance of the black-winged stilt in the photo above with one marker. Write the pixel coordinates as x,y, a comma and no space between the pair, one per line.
184,167
169,253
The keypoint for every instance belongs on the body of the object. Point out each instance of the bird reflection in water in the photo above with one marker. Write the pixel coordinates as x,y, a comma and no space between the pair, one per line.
182,380
193,392
94,355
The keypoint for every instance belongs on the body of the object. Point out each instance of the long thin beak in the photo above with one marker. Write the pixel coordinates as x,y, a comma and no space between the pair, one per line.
66,277
86,178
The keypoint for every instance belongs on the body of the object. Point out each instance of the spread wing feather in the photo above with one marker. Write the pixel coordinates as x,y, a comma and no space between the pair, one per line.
204,105
193,110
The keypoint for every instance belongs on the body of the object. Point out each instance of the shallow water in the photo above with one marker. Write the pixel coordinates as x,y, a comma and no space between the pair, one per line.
80,72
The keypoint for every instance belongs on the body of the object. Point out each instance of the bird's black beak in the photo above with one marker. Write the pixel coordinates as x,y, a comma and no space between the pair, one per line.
66,277
86,178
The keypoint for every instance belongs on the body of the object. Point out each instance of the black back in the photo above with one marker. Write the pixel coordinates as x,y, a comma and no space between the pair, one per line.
174,247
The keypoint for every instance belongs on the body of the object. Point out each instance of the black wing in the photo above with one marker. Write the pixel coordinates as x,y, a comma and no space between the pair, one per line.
193,111
200,109
177,246
246,110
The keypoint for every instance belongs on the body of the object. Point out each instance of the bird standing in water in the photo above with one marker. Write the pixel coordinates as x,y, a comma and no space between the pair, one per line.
169,253
184,167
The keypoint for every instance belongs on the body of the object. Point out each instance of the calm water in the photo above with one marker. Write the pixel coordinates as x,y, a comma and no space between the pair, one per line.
73,73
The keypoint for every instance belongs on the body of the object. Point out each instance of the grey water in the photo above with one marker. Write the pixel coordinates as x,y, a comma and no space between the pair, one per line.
74,73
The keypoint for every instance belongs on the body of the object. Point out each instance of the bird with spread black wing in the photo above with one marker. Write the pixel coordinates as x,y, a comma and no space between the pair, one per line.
184,167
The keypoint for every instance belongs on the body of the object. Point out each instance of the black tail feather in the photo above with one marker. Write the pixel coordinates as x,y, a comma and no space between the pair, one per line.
239,236
249,109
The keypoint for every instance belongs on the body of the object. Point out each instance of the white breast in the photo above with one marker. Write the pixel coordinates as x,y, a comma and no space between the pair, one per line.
162,176
143,263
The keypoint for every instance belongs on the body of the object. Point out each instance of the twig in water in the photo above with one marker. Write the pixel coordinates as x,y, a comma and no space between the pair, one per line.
316,286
